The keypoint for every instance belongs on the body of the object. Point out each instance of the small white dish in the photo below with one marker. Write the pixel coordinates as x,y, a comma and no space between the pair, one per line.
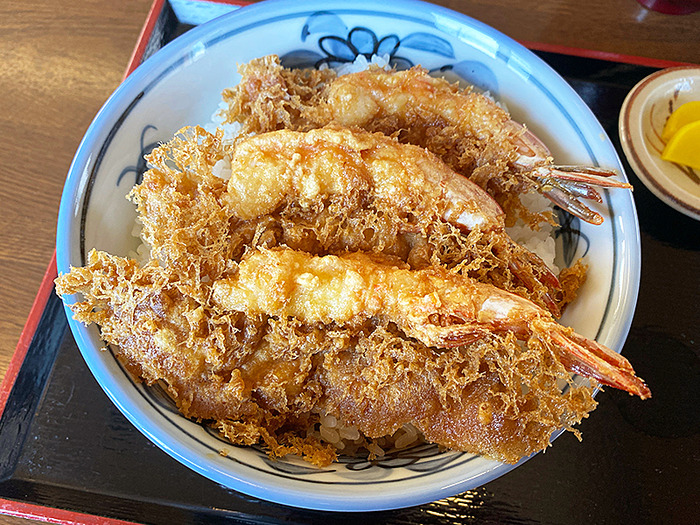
642,117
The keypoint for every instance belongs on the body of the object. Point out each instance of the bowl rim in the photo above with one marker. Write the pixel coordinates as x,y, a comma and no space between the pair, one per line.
158,65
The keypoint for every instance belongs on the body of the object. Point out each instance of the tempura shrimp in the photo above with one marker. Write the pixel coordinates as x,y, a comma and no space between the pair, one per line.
266,379
466,129
437,307
360,169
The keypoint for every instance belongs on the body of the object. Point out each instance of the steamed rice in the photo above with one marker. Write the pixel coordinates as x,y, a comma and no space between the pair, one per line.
349,440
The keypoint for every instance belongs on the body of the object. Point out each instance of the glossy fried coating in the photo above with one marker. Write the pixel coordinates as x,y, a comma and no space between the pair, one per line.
266,378
437,307
330,190
466,129
216,365
266,374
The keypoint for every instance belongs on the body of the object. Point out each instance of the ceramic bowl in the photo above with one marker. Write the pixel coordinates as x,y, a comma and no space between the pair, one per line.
642,118
181,85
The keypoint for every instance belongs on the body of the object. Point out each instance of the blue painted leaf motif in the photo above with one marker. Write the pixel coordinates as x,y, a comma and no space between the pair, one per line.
323,22
439,461
336,48
476,73
399,462
300,58
430,43
388,45
295,468
362,41
140,168
359,465
570,233
414,458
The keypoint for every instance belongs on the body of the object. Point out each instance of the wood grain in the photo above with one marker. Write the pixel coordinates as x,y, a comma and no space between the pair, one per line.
61,59
617,26
60,62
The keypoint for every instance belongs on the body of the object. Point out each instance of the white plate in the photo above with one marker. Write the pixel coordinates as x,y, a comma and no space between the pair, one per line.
181,84
642,117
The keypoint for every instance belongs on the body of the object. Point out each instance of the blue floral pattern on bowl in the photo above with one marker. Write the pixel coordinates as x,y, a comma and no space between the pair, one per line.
338,45
140,167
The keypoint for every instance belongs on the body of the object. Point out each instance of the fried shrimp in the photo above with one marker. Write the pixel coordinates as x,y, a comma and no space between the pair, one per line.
437,307
335,263
399,346
242,372
328,191
352,169
466,129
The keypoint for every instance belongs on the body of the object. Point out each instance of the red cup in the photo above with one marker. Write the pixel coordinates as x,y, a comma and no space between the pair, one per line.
672,7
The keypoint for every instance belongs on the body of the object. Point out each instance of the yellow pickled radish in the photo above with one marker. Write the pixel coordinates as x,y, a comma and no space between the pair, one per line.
684,146
685,114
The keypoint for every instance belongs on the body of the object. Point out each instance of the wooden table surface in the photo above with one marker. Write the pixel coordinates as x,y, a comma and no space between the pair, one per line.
60,60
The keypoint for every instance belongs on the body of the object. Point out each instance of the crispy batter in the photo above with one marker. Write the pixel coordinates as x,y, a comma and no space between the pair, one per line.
216,365
571,280
490,398
269,375
464,128
272,96
468,130
266,379
327,191
437,307
262,353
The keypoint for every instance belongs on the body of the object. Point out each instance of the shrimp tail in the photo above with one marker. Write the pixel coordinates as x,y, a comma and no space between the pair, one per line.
566,201
583,174
450,335
565,185
580,189
584,356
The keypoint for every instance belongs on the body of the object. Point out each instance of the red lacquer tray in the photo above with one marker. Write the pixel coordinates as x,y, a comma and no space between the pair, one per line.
68,456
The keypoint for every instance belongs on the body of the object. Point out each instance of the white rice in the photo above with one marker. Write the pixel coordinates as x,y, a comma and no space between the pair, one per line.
230,130
349,440
539,242
222,169
361,63
142,253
